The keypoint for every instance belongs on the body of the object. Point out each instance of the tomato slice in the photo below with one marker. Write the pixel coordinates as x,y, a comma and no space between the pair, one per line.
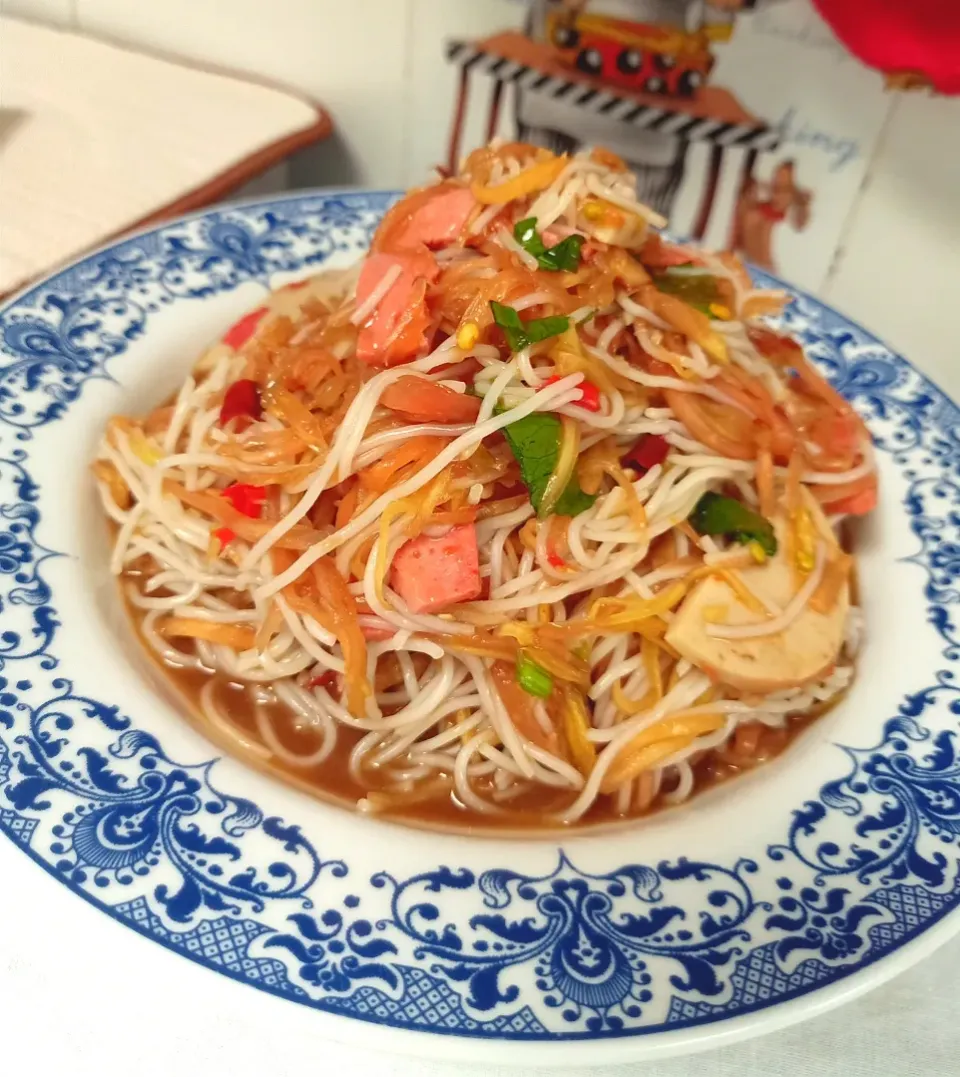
855,498
840,437
423,401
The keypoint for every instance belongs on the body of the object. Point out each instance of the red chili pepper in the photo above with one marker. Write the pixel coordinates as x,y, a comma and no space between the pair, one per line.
240,332
589,393
325,680
241,399
590,396
555,559
246,498
224,536
650,450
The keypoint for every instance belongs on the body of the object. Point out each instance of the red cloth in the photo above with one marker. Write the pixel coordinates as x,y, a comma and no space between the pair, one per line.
899,36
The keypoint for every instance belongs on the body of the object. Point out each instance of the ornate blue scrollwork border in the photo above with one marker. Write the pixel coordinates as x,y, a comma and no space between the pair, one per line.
867,865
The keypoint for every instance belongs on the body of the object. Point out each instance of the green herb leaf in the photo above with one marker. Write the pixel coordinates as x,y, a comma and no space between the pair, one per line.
573,500
526,234
563,256
538,329
715,514
535,442
521,334
533,678
698,289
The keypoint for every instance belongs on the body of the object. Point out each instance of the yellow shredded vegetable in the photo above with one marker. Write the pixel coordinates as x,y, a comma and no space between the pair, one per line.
640,760
805,539
145,449
688,320
534,178
650,652
634,506
569,357
285,406
566,464
655,743
576,723
419,507
239,637
630,613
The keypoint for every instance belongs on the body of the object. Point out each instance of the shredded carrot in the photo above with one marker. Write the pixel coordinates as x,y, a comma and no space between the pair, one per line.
271,625
626,614
108,474
239,637
286,407
336,597
348,505
639,760
466,514
479,643
576,724
687,320
765,488
299,537
534,178
656,743
635,507
650,653
158,420
358,563
836,575
412,454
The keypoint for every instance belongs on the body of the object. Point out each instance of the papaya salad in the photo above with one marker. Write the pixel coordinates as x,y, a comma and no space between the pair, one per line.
530,516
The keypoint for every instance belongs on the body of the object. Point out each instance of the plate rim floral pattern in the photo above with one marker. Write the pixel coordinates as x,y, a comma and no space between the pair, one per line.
561,956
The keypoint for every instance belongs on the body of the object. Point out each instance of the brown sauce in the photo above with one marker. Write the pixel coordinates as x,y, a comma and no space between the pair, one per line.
332,780
533,811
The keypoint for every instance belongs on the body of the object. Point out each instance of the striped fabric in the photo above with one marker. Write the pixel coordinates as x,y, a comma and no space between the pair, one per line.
757,136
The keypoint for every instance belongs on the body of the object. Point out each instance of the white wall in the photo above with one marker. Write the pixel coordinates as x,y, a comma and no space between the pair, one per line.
374,64
898,269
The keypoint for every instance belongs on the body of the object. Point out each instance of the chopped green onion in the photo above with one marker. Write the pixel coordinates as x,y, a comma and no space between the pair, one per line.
715,514
533,678
564,255
521,334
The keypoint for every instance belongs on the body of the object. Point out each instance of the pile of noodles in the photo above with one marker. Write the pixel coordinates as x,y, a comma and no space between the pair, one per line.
297,605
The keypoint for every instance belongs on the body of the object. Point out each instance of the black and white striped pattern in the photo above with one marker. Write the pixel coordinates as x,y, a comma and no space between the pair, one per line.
610,103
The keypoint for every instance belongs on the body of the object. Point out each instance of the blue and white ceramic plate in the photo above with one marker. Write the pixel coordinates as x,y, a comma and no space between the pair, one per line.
764,901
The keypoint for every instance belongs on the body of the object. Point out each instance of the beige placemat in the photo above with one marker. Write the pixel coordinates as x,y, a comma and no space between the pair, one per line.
95,138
